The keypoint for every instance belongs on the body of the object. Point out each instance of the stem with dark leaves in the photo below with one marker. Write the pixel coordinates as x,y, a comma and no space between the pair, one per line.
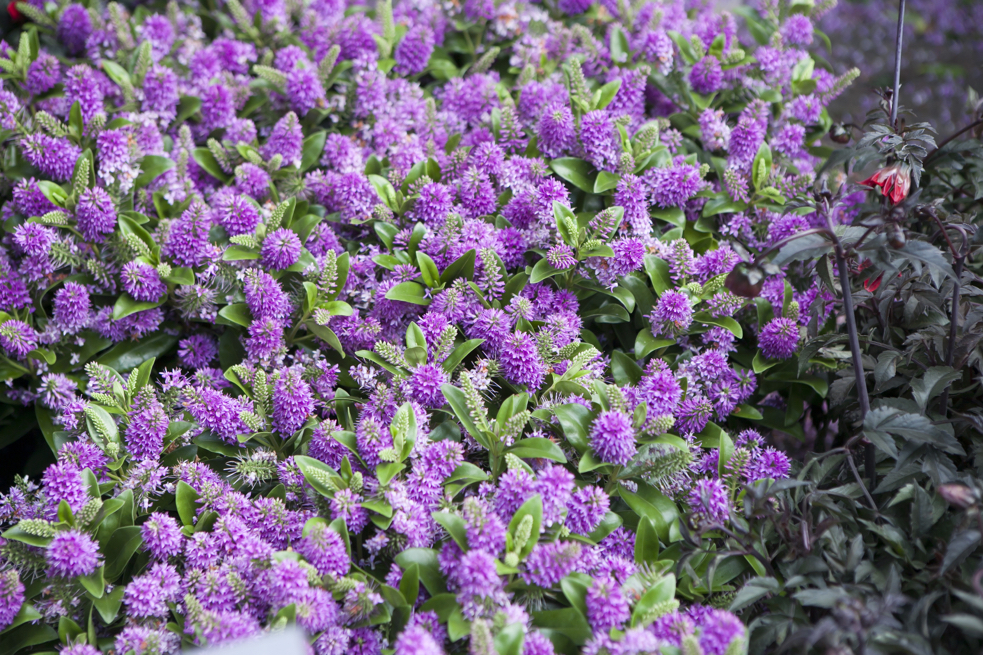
946,141
897,65
950,350
854,339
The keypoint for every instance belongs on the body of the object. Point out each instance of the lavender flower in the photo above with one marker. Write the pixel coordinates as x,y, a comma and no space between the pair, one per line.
325,549
292,402
43,74
708,502
95,214
74,28
162,536
706,76
672,315
607,607
779,338
587,508
599,139
612,436
548,563
17,338
72,553
286,140
417,640
11,596
142,282
147,428
424,384
414,50
556,130
281,249
520,361
72,307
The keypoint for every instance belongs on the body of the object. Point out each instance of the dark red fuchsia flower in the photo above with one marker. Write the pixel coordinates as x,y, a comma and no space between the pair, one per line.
894,182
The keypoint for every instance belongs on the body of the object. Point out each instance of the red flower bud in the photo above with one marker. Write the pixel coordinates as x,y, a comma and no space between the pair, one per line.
894,181
958,494
15,15
872,285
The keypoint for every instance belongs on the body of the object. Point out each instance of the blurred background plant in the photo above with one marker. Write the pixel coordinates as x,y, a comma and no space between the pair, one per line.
940,69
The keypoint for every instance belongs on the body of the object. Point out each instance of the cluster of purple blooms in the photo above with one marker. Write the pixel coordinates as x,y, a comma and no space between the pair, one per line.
344,252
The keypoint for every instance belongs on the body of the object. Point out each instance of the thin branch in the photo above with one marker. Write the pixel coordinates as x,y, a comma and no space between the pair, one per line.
951,137
860,481
897,65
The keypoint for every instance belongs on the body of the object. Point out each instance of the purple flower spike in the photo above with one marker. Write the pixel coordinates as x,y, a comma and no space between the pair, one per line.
613,437
779,339
281,249
72,553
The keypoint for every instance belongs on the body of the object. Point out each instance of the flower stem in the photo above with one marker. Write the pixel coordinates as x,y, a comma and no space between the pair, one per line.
897,64
950,350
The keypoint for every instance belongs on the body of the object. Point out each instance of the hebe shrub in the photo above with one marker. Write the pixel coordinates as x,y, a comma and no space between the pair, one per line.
428,328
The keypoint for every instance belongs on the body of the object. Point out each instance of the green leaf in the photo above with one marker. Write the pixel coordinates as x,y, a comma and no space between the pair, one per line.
410,292
466,472
315,473
426,560
590,462
455,527
568,623
24,636
538,447
237,253
42,354
510,639
207,161
462,267
662,591
619,46
658,272
128,355
748,412
456,399
624,369
685,47
313,147
543,270
534,508
575,171
932,383
653,504
122,545
187,502
761,168
762,363
19,534
181,275
186,108
428,269
26,614
646,542
94,583
646,343
126,305
575,420
575,588
409,584
460,351
609,524
152,167
604,96
237,314
725,322
116,73
326,335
